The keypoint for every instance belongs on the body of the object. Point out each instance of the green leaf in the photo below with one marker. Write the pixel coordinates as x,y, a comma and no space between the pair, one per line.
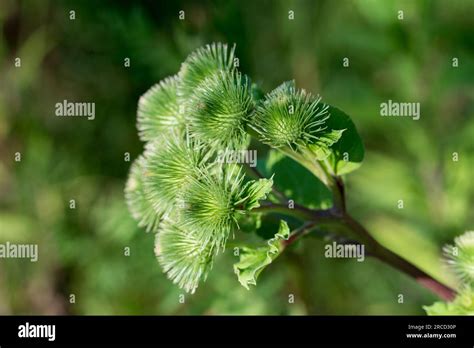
348,152
253,192
322,146
295,181
463,304
249,223
254,260
257,93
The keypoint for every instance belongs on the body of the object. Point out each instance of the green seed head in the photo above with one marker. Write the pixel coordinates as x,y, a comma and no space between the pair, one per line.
158,110
210,204
460,257
170,166
184,257
139,206
202,63
219,110
294,118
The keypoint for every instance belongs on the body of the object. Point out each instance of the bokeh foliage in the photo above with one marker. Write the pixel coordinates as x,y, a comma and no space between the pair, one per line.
82,250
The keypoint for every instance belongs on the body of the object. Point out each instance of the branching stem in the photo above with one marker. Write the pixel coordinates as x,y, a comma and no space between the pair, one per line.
298,211
338,216
333,217
380,252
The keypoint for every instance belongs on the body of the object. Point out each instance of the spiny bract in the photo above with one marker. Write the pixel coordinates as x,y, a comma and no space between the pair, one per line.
215,201
220,109
183,256
170,164
294,118
140,207
158,110
202,63
460,257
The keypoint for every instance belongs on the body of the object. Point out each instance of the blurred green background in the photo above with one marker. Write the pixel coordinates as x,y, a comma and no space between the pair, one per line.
82,250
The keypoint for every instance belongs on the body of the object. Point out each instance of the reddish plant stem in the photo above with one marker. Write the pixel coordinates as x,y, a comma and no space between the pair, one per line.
383,254
314,218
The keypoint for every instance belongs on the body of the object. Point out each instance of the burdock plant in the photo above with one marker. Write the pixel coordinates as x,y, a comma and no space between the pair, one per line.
195,203
459,258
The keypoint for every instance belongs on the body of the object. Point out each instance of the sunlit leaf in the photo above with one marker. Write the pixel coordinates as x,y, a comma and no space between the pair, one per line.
254,260
253,192
463,304
348,152
295,181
